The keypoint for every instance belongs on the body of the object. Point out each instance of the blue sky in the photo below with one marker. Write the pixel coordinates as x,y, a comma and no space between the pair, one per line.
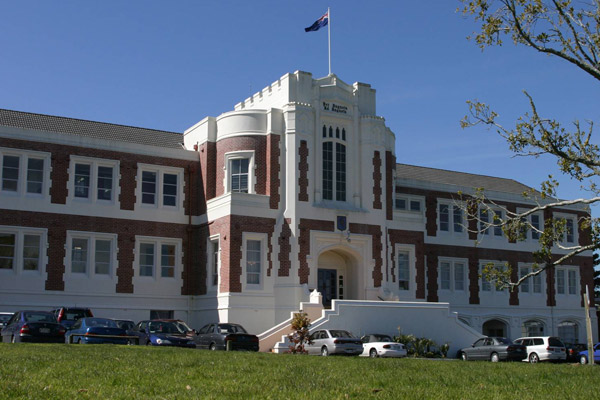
168,64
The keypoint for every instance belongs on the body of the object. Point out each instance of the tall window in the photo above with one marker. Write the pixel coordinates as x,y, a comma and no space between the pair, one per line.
79,255
7,250
10,173
253,262
214,262
35,175
450,218
452,275
167,261
170,190
105,183
403,270
148,187
31,252
334,164
146,259
82,180
102,257
239,175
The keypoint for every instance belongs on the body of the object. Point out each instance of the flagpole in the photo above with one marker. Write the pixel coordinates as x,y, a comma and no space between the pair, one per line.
329,36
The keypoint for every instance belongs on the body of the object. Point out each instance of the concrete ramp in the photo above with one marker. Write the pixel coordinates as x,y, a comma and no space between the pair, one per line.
431,320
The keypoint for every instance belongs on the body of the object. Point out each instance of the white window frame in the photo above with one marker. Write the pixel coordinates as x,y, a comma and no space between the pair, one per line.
528,286
567,270
451,223
491,232
158,242
236,155
24,156
94,163
160,172
412,260
18,260
493,290
409,199
452,269
574,219
262,238
91,238
210,263
404,251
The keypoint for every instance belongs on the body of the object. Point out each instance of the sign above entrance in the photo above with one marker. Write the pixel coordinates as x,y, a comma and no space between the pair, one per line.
335,108
341,223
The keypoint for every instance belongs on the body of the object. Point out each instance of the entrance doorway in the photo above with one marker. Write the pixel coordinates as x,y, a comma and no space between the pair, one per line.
495,327
327,285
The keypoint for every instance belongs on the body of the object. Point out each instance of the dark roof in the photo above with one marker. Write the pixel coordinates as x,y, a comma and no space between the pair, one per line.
91,129
462,179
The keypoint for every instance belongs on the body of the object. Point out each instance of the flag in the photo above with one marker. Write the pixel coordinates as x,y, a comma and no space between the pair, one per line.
321,22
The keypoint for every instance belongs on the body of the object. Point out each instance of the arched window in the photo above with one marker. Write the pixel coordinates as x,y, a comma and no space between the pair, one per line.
533,328
324,131
568,331
495,327
334,166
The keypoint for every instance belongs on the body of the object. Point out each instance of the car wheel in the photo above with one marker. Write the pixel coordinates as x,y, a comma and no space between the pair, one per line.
324,351
212,347
583,360
373,353
463,356
533,358
494,357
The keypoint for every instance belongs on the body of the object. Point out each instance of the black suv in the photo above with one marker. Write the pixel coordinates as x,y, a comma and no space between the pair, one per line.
67,316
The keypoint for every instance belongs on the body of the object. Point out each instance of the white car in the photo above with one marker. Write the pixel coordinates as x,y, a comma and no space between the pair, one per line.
543,348
377,345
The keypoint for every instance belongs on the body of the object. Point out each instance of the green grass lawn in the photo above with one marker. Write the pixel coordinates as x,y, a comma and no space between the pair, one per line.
45,371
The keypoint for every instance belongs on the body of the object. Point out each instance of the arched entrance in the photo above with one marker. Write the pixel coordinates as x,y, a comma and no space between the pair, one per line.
495,327
336,276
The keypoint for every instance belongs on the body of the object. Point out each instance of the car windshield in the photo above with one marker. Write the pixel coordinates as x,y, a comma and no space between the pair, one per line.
103,322
184,327
503,340
163,327
340,334
383,338
229,328
39,317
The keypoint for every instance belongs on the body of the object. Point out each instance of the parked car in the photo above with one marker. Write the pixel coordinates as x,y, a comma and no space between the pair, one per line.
96,330
377,345
125,324
184,327
226,336
583,355
161,333
573,350
333,341
494,349
4,317
68,315
543,348
33,326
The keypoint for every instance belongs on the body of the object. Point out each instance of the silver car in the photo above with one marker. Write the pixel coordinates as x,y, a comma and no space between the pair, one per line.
333,341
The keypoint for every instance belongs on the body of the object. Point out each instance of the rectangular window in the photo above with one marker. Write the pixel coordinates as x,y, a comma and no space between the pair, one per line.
445,276
524,287
148,187
146,259
537,284
82,180
444,218
458,219
167,261
486,286
340,172
415,205
102,257
497,220
400,204
7,250
459,276
31,252
253,262
572,276
535,223
10,173
170,190
215,262
105,183
79,255
403,271
484,220
239,175
35,175
570,231
328,171
560,281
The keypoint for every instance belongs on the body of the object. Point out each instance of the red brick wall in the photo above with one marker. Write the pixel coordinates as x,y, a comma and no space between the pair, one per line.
303,171
258,144
377,181
305,226
285,248
208,163
273,169
390,166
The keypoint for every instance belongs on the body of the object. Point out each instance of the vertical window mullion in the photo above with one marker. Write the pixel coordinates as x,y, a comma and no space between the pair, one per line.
340,172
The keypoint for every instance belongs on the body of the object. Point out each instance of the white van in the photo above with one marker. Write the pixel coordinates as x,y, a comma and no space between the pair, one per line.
543,348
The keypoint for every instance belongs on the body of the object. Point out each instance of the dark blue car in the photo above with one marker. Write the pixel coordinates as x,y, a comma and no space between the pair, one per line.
96,330
583,355
33,326
161,333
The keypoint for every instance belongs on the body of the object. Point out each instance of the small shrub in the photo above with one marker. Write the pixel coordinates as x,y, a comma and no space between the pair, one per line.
299,337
